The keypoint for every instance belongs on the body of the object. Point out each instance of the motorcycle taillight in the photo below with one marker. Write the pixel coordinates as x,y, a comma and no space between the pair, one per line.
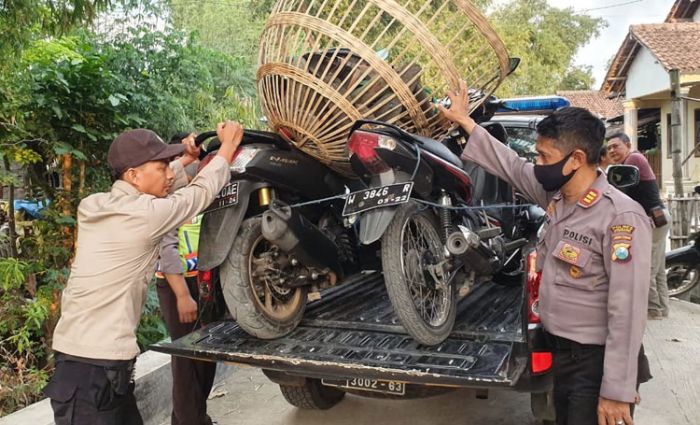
533,288
363,144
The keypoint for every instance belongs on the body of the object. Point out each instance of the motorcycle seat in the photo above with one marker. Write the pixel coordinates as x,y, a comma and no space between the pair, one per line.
438,149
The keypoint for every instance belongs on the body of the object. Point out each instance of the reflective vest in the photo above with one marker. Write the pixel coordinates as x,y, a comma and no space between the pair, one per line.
188,243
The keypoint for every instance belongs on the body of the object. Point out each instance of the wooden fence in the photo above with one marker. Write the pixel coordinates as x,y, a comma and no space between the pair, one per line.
685,214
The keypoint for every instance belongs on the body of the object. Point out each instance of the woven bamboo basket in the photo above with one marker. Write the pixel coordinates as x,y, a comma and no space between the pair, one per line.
326,63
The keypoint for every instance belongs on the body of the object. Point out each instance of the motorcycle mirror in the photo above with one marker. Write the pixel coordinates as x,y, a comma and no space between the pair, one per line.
623,176
514,62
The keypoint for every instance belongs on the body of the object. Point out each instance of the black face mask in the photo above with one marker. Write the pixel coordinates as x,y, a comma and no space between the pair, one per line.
551,176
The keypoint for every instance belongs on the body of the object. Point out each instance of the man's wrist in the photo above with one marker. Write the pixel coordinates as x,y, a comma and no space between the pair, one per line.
467,123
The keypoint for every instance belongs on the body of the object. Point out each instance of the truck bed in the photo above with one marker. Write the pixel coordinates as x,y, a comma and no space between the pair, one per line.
352,331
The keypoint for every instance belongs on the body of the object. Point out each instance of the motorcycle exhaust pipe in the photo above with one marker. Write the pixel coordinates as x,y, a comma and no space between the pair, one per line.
297,236
466,245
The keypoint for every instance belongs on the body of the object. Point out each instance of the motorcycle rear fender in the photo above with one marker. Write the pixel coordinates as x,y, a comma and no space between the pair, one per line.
686,254
373,223
220,227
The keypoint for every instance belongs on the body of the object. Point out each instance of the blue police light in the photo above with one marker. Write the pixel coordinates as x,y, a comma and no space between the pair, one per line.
540,103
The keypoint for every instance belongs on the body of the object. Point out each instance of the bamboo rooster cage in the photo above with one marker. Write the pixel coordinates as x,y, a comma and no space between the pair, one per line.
326,63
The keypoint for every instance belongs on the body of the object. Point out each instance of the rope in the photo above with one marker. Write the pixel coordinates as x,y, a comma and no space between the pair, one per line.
421,201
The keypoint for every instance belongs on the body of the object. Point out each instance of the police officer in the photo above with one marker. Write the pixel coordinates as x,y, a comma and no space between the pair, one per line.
594,252
118,239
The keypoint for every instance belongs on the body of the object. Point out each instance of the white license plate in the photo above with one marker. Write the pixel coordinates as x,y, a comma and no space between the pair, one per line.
227,197
365,384
377,197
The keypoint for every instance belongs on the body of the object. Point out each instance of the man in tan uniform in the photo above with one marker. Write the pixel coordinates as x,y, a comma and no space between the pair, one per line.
594,252
118,239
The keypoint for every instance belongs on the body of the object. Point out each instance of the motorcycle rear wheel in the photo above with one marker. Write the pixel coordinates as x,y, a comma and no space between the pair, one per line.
411,244
681,278
256,302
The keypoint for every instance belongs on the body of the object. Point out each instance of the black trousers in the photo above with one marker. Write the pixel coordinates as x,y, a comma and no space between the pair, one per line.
92,392
192,379
578,375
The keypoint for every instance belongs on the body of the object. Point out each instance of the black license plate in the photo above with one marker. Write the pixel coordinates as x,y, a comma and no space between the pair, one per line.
227,197
377,197
364,384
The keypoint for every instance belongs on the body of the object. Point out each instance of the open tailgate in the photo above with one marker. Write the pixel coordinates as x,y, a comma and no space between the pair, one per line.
352,332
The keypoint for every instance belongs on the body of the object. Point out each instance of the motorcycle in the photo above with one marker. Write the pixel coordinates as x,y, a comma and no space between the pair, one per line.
269,256
434,244
683,266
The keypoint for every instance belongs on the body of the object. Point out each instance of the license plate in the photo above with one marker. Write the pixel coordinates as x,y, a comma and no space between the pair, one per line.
364,384
377,197
227,197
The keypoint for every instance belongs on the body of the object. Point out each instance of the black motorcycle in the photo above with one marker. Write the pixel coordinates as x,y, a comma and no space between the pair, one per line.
434,244
269,256
683,266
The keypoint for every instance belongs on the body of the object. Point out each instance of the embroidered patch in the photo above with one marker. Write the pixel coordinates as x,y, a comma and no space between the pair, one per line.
589,198
622,238
622,228
569,253
621,252
574,272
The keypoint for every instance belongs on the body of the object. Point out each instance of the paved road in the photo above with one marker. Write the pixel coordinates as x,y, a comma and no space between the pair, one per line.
672,397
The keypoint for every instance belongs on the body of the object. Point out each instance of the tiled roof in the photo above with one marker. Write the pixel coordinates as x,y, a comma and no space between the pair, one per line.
595,101
675,45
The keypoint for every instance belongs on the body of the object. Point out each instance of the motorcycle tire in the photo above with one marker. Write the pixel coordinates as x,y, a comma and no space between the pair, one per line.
257,317
681,278
396,259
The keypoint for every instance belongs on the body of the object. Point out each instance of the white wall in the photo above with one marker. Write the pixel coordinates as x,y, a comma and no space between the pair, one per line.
645,76
696,17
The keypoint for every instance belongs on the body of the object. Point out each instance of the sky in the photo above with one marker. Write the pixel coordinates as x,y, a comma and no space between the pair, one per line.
619,14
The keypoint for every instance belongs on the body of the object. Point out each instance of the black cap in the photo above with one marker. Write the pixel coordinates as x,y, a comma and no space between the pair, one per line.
135,147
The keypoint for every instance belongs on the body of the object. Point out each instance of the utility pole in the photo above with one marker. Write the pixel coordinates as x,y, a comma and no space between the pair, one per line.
676,137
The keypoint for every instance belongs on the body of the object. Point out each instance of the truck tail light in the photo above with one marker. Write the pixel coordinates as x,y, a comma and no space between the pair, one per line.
363,144
540,362
205,284
533,289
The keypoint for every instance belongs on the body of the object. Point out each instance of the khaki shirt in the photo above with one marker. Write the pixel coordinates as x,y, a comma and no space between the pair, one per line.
119,233
595,258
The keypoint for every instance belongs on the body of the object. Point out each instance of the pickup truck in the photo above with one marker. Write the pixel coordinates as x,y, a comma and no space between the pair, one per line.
351,341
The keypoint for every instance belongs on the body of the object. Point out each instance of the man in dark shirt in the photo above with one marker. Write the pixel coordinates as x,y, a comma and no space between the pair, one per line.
647,195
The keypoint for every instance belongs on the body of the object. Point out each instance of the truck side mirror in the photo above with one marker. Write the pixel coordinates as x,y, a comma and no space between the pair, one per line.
623,176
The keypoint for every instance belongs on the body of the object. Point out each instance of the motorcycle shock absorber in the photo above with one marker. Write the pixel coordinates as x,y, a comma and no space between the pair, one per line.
445,218
265,196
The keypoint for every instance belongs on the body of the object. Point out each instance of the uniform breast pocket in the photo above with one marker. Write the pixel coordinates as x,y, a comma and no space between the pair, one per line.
574,265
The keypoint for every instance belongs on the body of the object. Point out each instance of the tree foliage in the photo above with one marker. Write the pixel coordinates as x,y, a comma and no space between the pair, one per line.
546,39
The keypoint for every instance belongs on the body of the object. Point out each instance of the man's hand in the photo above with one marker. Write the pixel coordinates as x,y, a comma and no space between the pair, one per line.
459,108
230,134
186,308
611,412
191,151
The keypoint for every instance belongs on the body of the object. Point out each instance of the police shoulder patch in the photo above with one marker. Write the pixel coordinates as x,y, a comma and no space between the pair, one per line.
621,252
622,228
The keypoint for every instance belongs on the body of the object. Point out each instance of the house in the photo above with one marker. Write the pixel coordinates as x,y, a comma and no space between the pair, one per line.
639,76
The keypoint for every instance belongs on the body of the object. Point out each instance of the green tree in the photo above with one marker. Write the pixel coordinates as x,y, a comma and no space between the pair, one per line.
577,78
546,39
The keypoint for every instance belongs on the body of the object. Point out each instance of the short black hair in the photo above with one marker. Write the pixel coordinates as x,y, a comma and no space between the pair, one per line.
622,136
177,137
603,153
574,128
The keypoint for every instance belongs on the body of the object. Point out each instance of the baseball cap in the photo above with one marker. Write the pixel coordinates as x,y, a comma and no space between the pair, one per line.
136,147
